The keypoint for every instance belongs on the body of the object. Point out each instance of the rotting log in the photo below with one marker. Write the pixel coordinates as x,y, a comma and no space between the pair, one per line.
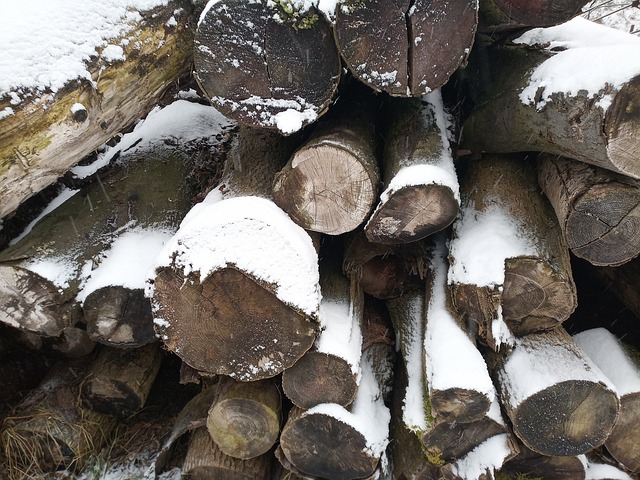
621,364
599,211
330,184
118,381
42,139
558,401
264,66
420,195
244,301
405,49
534,465
515,111
244,418
509,263
527,13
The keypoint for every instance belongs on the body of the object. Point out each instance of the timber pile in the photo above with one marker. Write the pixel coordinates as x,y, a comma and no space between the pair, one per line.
358,298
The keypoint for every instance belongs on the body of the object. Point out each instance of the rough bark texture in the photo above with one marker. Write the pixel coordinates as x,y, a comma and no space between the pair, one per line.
379,342
572,126
599,211
42,140
526,13
413,210
261,66
244,418
405,48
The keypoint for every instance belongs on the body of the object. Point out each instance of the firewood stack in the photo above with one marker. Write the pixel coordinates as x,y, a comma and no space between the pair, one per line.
375,280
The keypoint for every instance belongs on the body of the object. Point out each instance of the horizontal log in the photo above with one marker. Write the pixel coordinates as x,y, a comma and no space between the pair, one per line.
523,13
534,465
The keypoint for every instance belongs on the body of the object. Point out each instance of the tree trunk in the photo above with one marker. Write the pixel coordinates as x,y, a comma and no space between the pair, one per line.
237,291
621,364
599,211
420,194
43,138
330,184
602,131
266,67
119,381
527,13
405,49
558,401
244,418
507,258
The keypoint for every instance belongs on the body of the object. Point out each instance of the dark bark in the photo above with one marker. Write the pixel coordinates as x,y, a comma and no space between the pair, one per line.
527,13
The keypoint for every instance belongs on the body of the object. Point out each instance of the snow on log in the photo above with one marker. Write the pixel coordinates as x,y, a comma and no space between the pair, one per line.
534,465
599,211
421,192
405,49
621,365
580,102
509,263
329,373
94,81
330,441
330,184
236,288
559,402
267,64
119,381
528,13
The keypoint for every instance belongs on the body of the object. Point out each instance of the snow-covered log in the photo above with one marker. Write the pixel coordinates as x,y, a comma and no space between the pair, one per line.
405,48
570,90
621,364
534,465
267,64
598,210
330,184
559,402
528,13
244,418
107,65
236,288
509,262
421,194
329,373
118,381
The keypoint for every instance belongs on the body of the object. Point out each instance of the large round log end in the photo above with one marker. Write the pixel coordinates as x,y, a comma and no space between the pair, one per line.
624,441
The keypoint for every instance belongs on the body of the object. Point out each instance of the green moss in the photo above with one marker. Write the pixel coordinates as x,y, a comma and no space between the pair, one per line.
435,458
290,13
517,476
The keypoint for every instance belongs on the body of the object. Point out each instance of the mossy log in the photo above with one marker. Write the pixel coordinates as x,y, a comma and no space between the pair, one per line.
598,210
420,195
43,138
405,49
264,66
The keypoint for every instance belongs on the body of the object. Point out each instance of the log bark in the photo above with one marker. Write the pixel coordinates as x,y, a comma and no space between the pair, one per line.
252,312
42,139
420,194
405,49
599,211
621,364
538,13
601,131
330,184
558,401
534,465
266,67
530,284
119,381
244,418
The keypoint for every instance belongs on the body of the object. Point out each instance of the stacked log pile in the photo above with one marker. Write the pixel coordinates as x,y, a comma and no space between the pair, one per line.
384,292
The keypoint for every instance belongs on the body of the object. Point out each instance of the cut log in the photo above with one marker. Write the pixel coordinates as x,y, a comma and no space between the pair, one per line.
205,461
518,109
508,259
599,211
558,401
266,64
119,381
236,291
534,465
621,364
44,137
405,49
330,184
50,429
527,13
72,342
421,192
244,418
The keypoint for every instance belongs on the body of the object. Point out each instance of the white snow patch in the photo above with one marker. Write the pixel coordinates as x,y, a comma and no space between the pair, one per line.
489,455
600,471
290,121
58,269
6,112
77,107
113,53
341,334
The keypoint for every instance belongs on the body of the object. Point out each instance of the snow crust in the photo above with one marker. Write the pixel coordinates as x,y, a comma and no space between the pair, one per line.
605,350
341,334
595,57
489,455
254,235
